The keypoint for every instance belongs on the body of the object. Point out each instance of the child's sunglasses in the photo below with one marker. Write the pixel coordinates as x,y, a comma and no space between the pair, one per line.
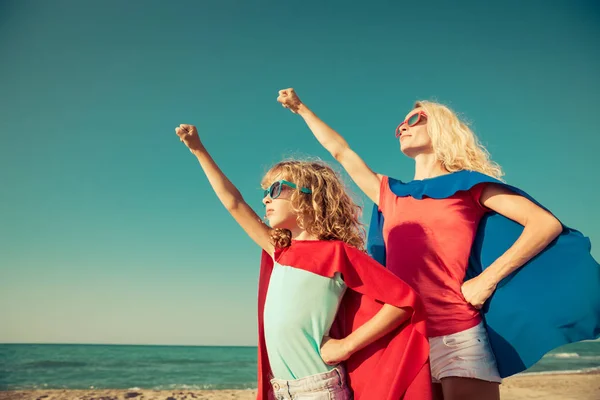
275,189
411,121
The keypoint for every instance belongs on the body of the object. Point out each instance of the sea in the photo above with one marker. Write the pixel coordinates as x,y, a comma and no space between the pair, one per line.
76,366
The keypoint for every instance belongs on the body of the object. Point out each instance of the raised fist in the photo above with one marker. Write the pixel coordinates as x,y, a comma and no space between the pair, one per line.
189,136
289,99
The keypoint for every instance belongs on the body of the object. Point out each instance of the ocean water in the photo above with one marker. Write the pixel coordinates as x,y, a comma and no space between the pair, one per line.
34,366
47,366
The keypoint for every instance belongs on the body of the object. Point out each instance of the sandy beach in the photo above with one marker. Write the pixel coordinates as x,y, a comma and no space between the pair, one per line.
584,386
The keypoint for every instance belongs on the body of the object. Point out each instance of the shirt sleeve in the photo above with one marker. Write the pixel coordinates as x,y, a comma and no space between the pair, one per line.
339,279
476,192
384,194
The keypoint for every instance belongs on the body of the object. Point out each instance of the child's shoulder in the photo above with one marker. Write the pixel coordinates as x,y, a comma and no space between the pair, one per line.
318,244
340,245
324,246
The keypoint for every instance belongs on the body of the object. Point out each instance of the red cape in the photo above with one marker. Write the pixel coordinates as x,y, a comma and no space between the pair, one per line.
392,368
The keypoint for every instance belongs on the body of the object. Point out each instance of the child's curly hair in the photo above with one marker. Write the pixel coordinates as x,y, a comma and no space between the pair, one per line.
329,213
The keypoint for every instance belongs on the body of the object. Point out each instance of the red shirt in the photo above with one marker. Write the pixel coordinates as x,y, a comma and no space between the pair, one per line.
428,243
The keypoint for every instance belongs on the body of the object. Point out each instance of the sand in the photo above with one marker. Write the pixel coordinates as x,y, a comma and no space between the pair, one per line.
584,386
552,387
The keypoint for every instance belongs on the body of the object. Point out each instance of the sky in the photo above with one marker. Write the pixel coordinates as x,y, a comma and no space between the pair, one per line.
109,231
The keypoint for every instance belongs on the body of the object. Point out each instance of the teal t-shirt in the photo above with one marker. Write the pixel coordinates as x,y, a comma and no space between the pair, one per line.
299,310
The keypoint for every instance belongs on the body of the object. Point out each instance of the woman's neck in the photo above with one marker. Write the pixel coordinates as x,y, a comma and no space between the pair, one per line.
428,166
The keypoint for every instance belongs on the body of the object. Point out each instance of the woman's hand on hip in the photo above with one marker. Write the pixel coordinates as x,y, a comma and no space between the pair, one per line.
476,291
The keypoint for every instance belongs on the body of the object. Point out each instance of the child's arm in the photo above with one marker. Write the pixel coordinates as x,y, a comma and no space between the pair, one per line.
367,180
334,351
226,191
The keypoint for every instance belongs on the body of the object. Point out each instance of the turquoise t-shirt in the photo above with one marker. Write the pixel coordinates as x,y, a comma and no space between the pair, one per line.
299,310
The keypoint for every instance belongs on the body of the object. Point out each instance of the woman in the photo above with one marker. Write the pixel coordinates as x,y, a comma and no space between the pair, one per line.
431,226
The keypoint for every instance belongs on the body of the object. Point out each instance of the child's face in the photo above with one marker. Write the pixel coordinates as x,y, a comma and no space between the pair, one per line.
279,211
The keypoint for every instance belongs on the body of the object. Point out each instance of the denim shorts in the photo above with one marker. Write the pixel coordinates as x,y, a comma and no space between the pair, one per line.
330,385
465,354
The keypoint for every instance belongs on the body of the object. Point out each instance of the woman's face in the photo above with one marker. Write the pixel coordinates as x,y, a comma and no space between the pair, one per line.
415,140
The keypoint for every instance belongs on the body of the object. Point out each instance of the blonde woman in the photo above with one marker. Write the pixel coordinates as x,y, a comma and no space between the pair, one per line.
456,220
327,327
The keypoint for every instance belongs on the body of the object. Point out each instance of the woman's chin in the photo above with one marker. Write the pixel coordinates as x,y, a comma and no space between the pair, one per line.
411,151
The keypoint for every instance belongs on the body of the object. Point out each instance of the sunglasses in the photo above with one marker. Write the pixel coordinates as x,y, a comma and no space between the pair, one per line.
275,189
411,121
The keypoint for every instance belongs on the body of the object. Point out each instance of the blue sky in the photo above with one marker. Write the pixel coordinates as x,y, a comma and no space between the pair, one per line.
109,231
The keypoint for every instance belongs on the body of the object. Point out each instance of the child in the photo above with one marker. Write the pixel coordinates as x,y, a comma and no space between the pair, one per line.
322,301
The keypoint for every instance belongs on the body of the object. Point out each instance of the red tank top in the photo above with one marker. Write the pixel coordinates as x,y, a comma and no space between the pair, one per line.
428,243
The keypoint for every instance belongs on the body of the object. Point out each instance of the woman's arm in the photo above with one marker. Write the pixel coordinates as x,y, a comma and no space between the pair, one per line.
367,180
540,228
226,191
334,351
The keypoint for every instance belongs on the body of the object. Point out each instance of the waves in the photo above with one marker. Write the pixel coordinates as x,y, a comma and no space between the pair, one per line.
172,386
572,356
560,372
564,355
24,367
54,364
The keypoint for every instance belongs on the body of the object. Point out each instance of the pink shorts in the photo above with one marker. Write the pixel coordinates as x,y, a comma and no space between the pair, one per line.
465,354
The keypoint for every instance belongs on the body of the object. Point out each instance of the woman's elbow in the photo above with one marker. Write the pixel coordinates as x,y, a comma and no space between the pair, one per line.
337,152
552,226
557,225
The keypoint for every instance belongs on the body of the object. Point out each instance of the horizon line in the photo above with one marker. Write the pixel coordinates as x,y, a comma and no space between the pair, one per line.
122,344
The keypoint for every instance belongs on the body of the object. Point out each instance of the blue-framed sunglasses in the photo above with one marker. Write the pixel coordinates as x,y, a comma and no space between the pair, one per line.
275,189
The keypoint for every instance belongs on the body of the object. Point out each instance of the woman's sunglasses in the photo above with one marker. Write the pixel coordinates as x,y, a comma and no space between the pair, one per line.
411,121
275,189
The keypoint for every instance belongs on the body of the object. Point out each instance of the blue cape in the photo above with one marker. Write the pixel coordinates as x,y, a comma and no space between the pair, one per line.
552,300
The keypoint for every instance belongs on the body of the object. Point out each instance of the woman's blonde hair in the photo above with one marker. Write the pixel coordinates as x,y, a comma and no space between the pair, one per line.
454,144
329,213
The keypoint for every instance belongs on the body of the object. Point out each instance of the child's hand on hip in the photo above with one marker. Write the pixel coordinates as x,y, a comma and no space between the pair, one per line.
334,351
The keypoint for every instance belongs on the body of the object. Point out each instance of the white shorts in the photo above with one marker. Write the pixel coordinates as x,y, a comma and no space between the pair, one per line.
465,354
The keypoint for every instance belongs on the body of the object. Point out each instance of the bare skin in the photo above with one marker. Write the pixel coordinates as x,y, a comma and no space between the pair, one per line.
281,215
540,227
